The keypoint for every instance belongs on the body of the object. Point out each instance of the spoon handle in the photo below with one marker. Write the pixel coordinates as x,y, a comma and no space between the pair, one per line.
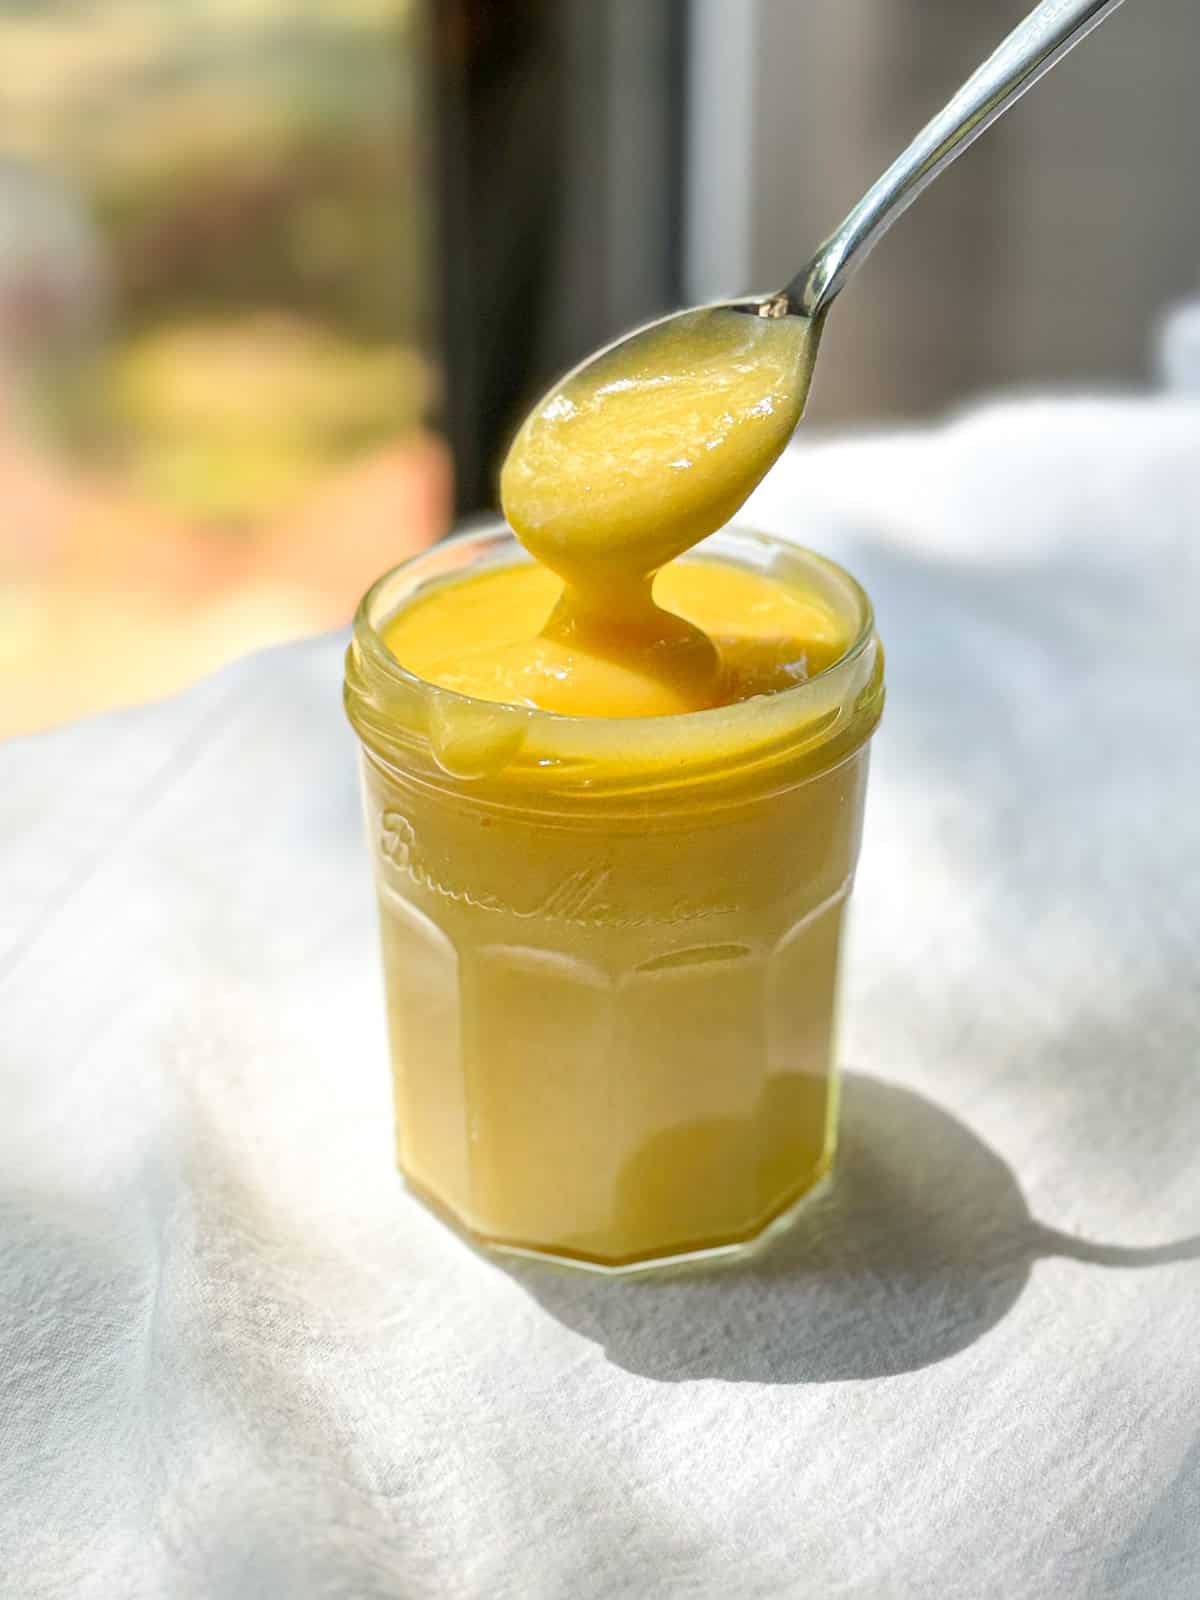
1032,48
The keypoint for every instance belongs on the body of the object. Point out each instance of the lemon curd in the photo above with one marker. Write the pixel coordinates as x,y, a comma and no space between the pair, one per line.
492,637
615,795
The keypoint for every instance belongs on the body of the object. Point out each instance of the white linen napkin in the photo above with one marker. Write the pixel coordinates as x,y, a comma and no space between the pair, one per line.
237,1360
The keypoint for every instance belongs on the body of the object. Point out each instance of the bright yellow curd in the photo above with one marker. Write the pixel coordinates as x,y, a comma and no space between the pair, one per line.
611,935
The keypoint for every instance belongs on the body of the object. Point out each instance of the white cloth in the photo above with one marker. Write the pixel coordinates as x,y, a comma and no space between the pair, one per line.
237,1360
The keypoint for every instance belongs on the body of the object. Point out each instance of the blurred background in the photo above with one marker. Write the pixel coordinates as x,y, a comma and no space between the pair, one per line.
277,277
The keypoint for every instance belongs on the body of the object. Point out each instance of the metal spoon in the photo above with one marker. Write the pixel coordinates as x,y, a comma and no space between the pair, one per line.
1031,49
610,386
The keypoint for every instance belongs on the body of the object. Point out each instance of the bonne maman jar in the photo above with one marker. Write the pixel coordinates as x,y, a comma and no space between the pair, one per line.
611,945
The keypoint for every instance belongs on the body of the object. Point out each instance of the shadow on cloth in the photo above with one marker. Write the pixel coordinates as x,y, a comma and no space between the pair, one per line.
921,1244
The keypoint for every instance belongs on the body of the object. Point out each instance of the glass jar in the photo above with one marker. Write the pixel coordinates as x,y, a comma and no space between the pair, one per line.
611,945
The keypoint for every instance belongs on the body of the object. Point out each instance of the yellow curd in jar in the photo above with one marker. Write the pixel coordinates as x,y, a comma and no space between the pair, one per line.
615,794
625,465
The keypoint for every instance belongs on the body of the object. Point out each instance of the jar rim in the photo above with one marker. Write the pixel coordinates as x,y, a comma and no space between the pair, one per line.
367,631
819,720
